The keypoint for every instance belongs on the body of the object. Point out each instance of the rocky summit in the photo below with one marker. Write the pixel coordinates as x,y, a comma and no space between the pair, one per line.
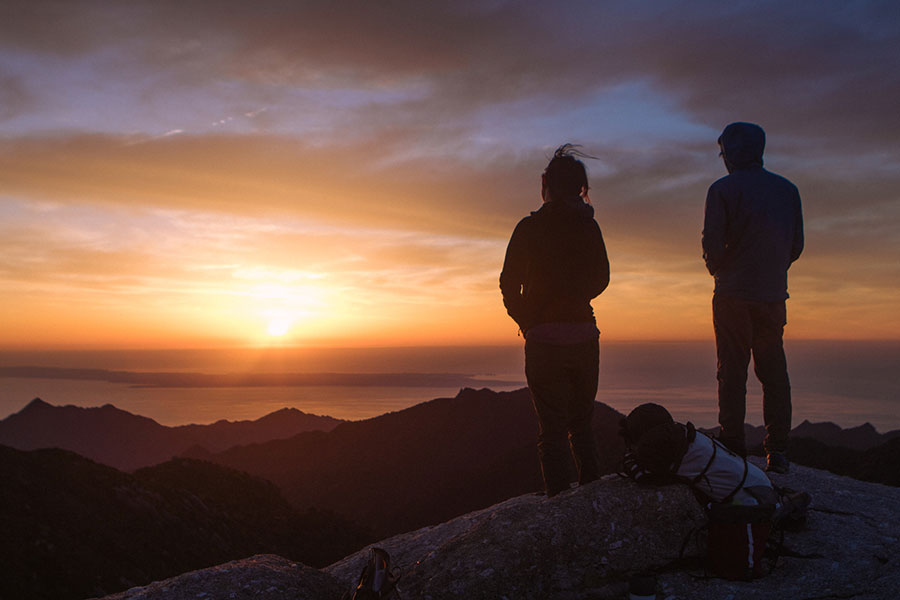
261,577
586,543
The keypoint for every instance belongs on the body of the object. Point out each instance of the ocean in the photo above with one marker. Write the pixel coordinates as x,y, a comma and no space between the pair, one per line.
848,383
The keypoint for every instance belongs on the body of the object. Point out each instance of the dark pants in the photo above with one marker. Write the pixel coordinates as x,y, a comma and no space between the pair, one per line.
742,327
563,384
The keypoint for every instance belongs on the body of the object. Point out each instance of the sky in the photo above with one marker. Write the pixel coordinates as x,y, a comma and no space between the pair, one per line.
215,173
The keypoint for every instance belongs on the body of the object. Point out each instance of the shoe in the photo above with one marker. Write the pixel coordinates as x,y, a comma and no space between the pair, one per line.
777,462
791,510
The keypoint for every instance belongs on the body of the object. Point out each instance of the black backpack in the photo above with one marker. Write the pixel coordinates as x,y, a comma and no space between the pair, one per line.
739,537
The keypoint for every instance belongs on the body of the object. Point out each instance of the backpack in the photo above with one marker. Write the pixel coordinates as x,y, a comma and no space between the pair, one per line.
736,539
740,536
743,508
377,580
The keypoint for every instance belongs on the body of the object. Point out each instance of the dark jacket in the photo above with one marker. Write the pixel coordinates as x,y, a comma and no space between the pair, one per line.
555,264
753,226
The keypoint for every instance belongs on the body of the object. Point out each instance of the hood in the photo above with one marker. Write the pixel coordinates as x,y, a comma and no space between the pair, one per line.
575,206
742,146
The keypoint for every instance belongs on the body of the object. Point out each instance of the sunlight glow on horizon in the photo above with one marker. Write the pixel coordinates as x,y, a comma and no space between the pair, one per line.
177,280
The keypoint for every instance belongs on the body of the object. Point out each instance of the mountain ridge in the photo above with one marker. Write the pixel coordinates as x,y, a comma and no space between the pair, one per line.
127,441
860,437
425,464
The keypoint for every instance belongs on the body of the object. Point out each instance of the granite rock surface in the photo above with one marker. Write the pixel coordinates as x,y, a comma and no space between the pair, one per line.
588,542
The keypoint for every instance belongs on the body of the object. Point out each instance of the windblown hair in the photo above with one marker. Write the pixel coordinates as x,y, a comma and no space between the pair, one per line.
565,175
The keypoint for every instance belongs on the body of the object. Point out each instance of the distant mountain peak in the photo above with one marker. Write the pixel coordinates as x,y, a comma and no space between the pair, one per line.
820,425
36,404
865,427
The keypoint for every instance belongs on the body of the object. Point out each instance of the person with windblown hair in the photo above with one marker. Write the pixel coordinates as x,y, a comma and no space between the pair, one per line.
555,264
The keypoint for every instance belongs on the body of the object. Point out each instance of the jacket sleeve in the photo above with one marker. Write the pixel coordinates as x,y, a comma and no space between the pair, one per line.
797,247
601,267
514,273
714,224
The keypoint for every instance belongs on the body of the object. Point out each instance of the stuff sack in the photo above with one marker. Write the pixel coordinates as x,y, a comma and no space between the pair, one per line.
377,580
736,540
720,475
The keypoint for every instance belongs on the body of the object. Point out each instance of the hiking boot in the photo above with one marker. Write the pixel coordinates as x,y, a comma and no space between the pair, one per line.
777,462
791,510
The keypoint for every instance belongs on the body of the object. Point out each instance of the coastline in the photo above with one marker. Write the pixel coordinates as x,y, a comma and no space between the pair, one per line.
848,383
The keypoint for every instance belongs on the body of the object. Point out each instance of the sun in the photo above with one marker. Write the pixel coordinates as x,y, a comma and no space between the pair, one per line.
279,325
278,309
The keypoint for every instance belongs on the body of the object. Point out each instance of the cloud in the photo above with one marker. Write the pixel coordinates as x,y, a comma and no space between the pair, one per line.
649,198
396,145
14,98
183,254
811,74
779,61
243,175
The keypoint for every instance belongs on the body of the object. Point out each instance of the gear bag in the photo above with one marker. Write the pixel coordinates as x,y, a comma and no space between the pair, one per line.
745,512
736,539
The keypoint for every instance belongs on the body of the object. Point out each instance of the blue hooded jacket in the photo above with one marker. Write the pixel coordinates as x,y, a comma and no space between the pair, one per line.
753,225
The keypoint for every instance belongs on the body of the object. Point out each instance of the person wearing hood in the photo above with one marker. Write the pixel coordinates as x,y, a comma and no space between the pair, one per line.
555,264
752,232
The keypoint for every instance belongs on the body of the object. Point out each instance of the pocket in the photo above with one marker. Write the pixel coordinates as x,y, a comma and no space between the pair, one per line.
778,313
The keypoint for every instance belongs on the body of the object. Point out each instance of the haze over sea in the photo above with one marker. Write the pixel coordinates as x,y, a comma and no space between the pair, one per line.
848,383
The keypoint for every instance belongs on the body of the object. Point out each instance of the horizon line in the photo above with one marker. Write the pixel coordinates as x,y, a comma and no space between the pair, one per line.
328,346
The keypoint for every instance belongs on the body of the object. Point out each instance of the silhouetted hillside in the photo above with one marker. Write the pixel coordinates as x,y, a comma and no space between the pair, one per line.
72,528
881,464
418,466
862,437
859,452
125,441
813,453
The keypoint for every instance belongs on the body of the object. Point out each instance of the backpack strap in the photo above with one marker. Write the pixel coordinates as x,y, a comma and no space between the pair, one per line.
712,458
702,473
739,486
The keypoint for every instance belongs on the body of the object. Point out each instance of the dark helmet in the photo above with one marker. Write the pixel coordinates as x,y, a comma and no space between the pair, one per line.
641,419
659,443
